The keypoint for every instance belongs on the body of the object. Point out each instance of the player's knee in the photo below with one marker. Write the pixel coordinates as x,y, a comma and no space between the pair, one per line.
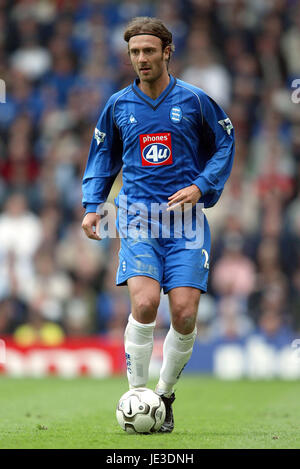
184,320
144,309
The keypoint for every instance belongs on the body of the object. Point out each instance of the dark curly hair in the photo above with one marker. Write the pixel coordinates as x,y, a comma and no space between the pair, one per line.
154,26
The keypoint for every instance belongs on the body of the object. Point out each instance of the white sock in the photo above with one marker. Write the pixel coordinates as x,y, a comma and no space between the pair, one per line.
177,351
138,350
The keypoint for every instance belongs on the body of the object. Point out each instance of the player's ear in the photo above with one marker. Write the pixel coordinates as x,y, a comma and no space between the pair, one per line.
167,53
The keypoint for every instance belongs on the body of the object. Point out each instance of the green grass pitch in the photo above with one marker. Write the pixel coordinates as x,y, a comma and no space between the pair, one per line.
209,413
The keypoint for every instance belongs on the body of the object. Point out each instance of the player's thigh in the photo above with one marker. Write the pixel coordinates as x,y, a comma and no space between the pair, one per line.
184,299
145,296
184,303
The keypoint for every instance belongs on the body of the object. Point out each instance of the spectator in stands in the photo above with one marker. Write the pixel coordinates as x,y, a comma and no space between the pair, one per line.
20,237
234,272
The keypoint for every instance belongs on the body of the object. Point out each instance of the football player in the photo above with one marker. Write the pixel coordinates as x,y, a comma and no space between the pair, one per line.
175,146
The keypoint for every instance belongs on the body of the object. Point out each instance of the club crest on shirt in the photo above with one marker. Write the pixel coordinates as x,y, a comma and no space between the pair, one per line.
156,149
176,114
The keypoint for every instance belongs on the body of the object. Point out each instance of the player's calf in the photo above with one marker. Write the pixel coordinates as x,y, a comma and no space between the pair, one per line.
138,350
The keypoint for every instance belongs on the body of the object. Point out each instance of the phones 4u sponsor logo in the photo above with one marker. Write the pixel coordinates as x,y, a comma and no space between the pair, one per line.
156,149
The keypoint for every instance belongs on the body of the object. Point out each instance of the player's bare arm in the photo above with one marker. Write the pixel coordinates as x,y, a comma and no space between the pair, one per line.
91,225
187,195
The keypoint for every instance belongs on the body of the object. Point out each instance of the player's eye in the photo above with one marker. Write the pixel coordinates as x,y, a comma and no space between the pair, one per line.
136,52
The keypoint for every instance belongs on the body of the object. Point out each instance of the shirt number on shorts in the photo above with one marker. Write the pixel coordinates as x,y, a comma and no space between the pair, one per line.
206,263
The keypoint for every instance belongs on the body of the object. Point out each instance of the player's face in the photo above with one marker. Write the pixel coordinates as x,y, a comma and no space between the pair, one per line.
147,57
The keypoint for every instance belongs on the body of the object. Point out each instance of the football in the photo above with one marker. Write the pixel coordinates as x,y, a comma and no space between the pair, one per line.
141,410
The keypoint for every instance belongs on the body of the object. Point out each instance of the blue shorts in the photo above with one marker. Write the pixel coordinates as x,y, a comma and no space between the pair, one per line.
173,262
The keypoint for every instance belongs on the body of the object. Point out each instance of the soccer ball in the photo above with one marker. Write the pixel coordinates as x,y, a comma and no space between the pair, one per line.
141,410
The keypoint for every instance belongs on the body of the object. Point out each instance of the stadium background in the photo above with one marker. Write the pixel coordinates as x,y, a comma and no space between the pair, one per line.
60,61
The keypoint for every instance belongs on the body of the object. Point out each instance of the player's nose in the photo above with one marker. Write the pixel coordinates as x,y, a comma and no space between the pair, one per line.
142,58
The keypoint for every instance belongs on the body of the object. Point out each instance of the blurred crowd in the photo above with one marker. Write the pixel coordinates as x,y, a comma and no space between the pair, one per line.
60,60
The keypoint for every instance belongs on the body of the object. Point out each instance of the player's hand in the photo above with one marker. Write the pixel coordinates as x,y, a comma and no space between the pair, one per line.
91,225
187,195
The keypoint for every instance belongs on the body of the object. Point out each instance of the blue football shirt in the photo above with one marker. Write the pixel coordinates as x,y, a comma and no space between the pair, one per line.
181,138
